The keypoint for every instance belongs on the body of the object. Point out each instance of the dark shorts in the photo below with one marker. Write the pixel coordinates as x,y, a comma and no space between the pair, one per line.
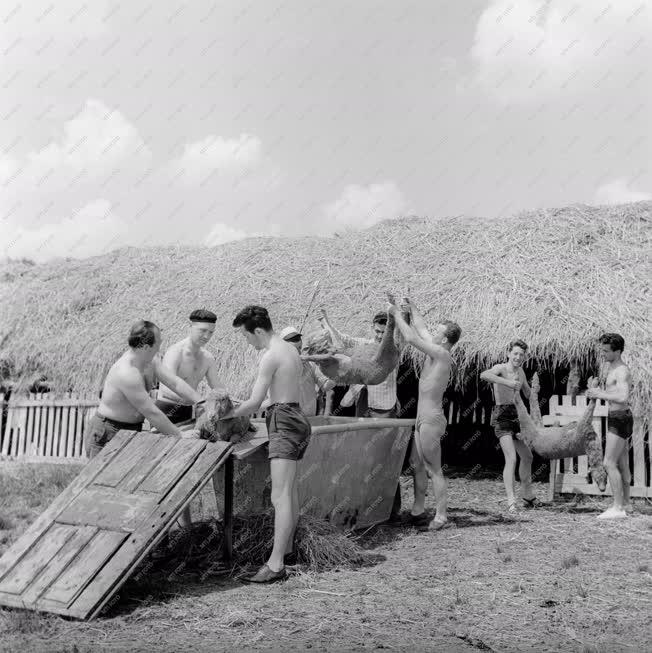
504,419
381,414
288,431
174,412
101,430
621,423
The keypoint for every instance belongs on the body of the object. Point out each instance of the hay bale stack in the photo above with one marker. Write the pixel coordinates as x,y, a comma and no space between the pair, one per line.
555,277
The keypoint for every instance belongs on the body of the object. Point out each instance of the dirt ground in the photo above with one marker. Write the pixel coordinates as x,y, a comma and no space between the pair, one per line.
552,579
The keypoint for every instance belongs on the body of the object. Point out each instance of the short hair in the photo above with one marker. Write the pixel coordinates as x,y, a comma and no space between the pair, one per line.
380,318
614,340
518,343
253,317
452,332
202,315
142,333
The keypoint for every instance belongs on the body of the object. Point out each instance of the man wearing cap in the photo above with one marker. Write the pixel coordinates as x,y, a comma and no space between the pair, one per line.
189,360
312,377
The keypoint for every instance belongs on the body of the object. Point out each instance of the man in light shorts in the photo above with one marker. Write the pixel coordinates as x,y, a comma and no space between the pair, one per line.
431,421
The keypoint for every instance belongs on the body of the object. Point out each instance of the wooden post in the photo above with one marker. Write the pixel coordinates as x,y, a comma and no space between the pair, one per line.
2,440
228,509
552,479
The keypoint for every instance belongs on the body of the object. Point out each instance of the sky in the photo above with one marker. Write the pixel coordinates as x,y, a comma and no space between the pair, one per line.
148,123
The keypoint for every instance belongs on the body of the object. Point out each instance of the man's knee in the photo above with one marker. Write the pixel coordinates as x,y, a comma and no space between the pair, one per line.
281,495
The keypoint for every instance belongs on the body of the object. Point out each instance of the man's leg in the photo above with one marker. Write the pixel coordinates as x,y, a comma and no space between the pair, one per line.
420,479
509,452
289,547
615,446
625,474
525,469
429,442
283,480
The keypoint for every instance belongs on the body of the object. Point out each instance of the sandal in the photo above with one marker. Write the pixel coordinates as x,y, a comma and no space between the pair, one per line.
512,509
534,502
266,575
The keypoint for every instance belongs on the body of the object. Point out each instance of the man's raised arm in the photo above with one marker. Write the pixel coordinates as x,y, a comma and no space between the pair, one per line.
410,335
346,340
418,322
619,393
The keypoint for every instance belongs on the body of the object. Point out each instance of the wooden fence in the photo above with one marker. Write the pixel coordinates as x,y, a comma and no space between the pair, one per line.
36,428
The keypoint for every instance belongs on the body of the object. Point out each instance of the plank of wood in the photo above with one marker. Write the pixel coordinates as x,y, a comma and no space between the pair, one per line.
108,509
58,563
2,406
24,436
638,446
138,474
45,519
31,403
135,455
173,467
128,557
39,440
6,449
85,567
65,432
56,437
19,577
582,465
576,484
552,480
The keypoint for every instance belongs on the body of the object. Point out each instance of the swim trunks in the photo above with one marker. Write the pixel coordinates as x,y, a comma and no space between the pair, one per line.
174,412
288,431
504,419
620,422
101,430
437,419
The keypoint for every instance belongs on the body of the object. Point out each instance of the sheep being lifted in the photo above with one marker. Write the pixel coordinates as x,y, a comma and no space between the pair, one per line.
364,363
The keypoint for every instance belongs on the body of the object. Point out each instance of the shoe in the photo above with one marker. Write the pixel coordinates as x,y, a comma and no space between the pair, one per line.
512,509
613,513
266,575
534,502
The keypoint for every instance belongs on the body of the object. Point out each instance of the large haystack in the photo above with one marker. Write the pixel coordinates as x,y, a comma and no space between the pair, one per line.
556,278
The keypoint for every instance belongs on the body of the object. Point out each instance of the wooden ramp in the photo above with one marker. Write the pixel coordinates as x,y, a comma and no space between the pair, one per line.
79,552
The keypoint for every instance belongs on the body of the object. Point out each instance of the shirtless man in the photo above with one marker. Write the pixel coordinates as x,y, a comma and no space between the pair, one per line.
620,423
190,361
279,373
125,402
431,421
507,379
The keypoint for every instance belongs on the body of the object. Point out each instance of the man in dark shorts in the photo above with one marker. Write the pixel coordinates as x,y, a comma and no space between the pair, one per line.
279,375
620,422
507,379
191,361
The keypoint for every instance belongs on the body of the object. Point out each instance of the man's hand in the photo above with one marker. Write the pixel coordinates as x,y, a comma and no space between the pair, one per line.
200,409
516,385
391,306
322,314
593,393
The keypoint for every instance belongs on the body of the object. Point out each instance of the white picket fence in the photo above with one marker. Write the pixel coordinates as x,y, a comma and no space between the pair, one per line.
41,429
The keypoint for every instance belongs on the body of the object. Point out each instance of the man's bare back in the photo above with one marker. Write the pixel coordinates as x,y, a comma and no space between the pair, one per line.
285,384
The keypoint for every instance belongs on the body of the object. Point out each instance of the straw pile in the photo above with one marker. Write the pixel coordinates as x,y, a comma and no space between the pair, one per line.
319,545
556,278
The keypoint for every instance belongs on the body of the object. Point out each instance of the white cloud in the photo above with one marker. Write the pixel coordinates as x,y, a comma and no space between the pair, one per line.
96,142
94,229
526,50
222,233
619,192
361,206
215,156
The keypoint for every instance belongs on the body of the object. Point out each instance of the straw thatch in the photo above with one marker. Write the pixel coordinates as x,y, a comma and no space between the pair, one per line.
556,278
